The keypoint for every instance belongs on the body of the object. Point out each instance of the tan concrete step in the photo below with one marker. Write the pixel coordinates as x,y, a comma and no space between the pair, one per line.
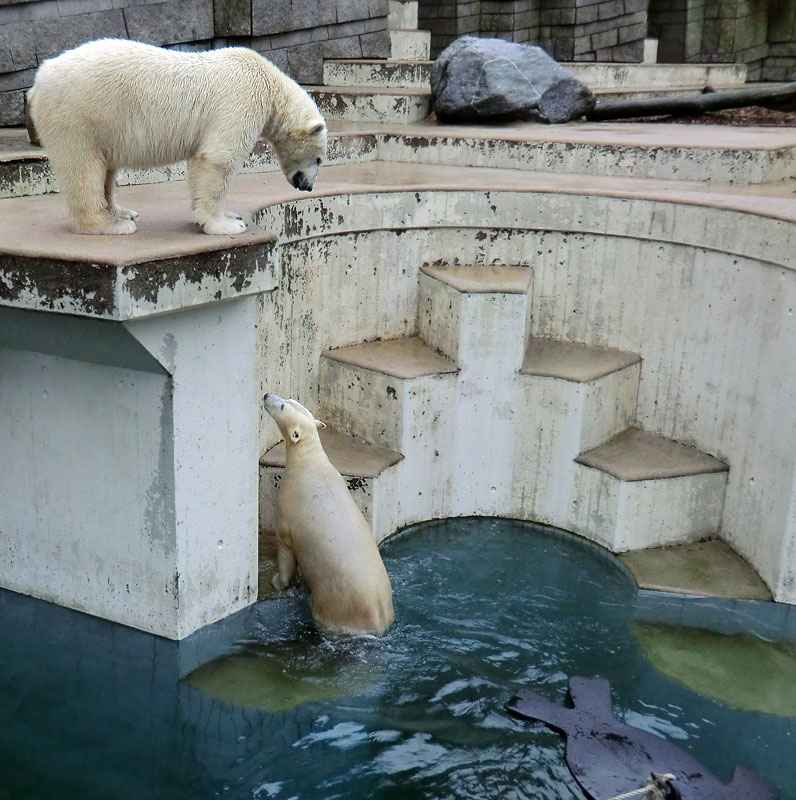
376,73
636,455
372,104
400,358
706,569
385,391
640,490
576,397
483,279
646,92
572,361
351,456
602,75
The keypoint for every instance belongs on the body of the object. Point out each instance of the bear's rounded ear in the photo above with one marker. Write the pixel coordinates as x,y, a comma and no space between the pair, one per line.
319,424
295,435
316,128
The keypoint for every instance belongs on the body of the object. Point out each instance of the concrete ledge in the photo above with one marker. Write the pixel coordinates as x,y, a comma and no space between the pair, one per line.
636,455
707,569
507,280
572,361
401,358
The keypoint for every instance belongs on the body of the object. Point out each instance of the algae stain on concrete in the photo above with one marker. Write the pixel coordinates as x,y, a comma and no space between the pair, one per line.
741,671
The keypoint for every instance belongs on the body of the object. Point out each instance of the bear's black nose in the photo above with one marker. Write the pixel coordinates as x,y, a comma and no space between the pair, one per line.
301,182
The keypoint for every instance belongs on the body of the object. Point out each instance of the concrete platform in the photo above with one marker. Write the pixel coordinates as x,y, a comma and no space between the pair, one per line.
507,280
708,569
401,358
572,361
636,455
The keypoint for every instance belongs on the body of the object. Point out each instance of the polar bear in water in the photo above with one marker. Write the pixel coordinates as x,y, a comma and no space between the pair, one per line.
320,528
114,103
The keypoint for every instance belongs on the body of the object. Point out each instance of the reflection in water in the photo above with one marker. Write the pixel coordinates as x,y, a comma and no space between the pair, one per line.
741,671
283,675
96,711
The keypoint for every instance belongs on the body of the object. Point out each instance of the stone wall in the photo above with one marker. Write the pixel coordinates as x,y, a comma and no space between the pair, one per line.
296,34
757,33
780,64
570,30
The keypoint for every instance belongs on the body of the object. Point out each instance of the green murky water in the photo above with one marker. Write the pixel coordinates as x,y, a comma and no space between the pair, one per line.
261,706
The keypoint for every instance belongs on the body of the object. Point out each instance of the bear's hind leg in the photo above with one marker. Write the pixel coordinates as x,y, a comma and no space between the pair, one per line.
82,173
110,197
209,180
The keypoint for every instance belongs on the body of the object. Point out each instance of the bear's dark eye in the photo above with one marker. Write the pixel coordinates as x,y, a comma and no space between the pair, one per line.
283,407
318,162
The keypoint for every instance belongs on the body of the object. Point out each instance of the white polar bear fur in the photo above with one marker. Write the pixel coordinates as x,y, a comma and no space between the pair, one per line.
113,103
321,529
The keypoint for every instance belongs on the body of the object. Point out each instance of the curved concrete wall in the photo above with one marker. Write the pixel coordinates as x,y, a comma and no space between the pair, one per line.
705,295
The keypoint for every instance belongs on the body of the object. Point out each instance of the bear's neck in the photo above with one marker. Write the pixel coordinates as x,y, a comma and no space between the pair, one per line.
303,452
283,101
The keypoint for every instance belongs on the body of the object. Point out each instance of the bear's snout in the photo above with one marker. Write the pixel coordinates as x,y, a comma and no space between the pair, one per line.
301,181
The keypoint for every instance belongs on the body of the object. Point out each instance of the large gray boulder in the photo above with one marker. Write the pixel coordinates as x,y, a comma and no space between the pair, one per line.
489,80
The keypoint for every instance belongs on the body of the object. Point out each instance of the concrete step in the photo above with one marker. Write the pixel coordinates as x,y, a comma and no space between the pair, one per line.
381,390
364,72
376,104
629,76
402,14
403,395
643,490
575,397
475,315
410,45
356,460
705,569
644,92
610,78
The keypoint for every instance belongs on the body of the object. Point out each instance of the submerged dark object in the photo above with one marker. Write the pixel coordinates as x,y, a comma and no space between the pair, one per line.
608,758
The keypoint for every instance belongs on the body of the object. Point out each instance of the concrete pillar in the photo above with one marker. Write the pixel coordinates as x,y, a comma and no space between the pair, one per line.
128,487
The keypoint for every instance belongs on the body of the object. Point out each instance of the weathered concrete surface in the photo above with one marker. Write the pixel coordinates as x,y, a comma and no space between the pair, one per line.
673,244
164,267
709,569
687,153
133,492
129,394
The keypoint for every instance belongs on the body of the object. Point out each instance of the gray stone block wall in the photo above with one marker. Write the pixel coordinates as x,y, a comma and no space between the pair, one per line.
296,34
780,63
569,30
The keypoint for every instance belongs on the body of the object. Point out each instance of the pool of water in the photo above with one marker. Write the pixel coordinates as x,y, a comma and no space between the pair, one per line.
260,706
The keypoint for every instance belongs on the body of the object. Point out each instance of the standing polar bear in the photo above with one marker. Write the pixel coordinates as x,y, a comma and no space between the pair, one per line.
114,103
321,529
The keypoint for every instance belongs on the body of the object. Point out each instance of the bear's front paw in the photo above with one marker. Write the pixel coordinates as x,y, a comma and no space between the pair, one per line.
127,213
228,226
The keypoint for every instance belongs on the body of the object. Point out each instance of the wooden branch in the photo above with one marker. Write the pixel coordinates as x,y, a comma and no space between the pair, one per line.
781,97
